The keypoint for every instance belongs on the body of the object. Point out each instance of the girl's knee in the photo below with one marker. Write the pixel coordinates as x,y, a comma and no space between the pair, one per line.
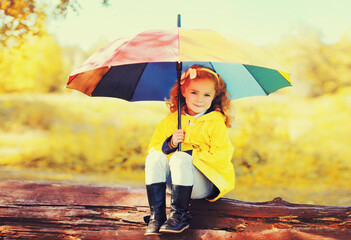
156,158
156,168
181,167
180,160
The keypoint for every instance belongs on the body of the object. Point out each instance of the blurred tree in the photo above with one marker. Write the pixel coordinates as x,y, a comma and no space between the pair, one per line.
341,60
19,17
317,68
34,66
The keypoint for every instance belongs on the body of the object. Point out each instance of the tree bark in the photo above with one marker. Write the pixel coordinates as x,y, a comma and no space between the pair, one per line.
30,210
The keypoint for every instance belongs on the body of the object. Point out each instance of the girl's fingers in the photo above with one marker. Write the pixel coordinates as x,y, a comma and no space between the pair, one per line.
178,136
178,140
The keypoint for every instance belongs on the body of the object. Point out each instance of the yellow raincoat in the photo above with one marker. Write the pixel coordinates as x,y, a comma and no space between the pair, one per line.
207,137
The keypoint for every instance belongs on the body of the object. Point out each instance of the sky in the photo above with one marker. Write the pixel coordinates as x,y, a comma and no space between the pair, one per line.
260,22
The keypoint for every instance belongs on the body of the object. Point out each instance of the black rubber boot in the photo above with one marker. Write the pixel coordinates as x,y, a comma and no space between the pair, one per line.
179,217
156,194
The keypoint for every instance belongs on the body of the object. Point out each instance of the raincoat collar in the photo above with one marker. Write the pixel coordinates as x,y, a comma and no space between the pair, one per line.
199,114
208,115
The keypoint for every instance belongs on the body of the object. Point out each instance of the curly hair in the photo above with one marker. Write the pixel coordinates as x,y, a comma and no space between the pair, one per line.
220,103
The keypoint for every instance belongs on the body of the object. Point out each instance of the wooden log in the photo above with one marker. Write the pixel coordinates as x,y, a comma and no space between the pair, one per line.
30,210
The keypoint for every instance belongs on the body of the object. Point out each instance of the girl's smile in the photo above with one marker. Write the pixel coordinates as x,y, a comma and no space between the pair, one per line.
199,94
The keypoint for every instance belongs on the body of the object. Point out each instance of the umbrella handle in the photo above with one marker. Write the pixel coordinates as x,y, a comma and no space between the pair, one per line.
179,70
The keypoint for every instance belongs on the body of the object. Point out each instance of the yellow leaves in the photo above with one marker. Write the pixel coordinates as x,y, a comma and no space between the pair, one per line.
295,148
76,134
316,68
20,18
14,8
36,66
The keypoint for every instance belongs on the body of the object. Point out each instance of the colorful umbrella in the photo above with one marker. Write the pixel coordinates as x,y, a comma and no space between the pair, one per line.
146,66
143,67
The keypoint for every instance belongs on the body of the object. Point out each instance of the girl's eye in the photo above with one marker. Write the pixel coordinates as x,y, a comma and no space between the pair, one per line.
207,95
194,93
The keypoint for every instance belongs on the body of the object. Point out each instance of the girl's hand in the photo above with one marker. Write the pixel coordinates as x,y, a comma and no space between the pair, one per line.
178,137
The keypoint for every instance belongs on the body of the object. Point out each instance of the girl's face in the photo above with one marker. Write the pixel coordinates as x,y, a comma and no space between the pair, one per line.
199,94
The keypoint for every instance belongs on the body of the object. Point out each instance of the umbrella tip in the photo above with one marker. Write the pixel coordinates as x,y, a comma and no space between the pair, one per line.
179,21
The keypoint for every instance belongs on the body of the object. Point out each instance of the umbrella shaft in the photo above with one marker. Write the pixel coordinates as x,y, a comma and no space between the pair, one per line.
179,71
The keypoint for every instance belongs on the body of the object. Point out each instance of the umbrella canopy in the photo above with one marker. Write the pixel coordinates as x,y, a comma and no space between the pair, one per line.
143,67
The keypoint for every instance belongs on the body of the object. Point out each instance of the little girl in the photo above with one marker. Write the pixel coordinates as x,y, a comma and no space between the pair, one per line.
203,169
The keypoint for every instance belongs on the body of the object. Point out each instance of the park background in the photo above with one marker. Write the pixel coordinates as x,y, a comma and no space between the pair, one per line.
293,144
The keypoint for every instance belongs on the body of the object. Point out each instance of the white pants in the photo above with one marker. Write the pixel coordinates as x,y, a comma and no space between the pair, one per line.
179,170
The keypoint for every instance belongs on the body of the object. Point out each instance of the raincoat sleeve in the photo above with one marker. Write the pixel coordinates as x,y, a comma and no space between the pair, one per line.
163,130
166,149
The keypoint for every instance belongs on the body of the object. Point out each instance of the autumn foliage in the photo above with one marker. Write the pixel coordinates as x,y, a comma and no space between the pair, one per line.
20,18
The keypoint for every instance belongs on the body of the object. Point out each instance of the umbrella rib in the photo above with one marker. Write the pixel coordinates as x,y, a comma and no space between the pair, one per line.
141,73
212,66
